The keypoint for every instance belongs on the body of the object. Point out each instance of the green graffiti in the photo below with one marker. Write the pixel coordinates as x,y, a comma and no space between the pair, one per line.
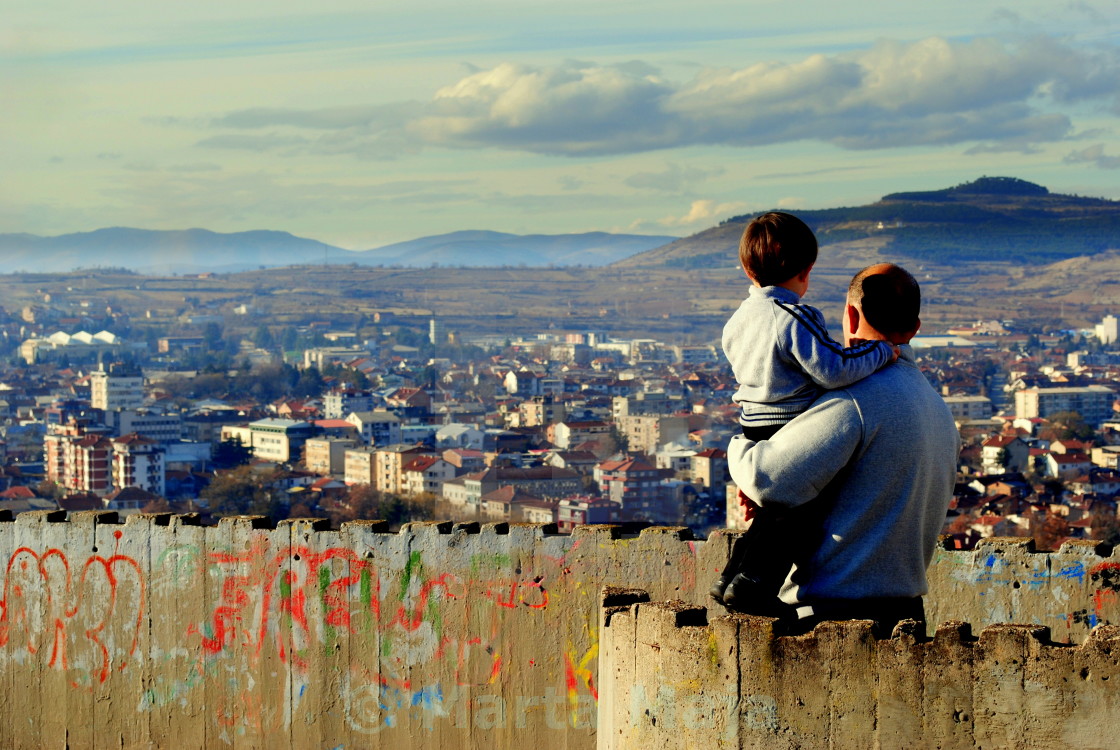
182,561
366,593
414,567
495,560
434,616
329,630
286,596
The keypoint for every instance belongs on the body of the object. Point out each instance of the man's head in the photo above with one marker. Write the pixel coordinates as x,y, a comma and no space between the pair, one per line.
776,247
883,303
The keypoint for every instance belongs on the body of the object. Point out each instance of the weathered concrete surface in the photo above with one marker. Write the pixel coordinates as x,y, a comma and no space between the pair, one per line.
162,633
671,680
1004,580
165,633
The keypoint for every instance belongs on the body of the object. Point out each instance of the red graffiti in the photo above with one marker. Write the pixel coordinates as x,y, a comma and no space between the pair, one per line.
43,602
527,593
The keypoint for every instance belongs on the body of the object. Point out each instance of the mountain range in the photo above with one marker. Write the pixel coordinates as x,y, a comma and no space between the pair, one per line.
197,250
988,219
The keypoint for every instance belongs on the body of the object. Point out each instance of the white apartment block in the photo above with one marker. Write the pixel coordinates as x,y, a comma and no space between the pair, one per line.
338,403
379,427
163,428
360,466
1108,330
109,391
1093,402
965,408
329,355
327,455
279,440
139,462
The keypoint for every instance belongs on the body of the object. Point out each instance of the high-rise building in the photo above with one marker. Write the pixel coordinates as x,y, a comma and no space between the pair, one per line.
437,334
119,388
1108,330
138,462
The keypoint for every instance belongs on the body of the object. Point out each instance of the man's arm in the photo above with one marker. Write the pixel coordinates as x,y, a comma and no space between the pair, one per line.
796,464
826,361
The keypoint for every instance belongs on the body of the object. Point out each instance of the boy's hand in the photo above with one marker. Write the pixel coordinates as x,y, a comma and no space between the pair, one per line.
894,347
749,508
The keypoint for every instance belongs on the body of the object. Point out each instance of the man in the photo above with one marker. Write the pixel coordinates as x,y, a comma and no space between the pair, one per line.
879,457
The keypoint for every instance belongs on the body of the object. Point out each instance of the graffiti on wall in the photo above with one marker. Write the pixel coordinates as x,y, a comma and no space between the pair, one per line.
374,638
82,617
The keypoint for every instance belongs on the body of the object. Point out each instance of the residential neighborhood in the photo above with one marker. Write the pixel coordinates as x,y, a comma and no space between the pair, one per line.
565,428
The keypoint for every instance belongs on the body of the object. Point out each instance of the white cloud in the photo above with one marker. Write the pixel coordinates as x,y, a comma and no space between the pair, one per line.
673,179
704,212
931,92
1093,155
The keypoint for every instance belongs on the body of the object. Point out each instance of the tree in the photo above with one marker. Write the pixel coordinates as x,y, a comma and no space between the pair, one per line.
1104,527
262,337
310,383
1070,425
234,492
1051,533
212,335
289,338
230,453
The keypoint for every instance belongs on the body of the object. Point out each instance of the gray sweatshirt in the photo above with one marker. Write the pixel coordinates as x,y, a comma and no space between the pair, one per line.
881,455
783,357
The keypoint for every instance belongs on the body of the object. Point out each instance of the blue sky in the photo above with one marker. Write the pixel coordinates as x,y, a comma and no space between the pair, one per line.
362,123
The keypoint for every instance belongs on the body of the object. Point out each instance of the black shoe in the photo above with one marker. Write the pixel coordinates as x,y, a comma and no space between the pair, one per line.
752,597
717,589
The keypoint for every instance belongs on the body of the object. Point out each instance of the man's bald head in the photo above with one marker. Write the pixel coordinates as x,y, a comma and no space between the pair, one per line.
888,299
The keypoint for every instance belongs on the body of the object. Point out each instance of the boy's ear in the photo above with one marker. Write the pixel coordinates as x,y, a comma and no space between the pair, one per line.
804,275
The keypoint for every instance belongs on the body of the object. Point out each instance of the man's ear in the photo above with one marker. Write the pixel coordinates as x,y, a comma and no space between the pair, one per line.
851,317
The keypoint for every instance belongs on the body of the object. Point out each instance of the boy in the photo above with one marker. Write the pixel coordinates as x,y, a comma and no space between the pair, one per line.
783,358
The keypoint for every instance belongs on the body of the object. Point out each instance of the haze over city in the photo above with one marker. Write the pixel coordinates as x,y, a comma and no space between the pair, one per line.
361,125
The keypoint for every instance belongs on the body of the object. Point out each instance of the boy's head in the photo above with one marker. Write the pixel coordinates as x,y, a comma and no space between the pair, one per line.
776,247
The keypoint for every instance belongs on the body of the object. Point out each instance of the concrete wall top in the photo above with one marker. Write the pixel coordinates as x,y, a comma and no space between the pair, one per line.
672,678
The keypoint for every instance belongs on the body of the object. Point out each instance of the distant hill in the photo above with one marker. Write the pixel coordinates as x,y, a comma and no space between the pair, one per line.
198,250
989,219
481,248
159,252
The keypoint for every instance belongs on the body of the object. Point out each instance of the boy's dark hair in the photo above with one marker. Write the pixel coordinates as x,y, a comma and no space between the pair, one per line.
776,247
888,296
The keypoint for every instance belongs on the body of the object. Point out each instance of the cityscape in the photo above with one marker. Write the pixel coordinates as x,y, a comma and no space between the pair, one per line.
368,374
215,412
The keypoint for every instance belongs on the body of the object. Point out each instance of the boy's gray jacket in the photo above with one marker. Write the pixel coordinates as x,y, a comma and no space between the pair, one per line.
783,357
881,456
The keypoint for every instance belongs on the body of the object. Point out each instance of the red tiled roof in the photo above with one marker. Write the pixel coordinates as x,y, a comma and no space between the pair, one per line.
421,463
1000,441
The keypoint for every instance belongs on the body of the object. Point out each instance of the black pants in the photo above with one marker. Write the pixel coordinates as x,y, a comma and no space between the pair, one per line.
765,551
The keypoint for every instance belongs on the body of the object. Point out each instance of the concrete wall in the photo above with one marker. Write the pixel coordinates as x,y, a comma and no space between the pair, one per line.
159,632
163,632
671,680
